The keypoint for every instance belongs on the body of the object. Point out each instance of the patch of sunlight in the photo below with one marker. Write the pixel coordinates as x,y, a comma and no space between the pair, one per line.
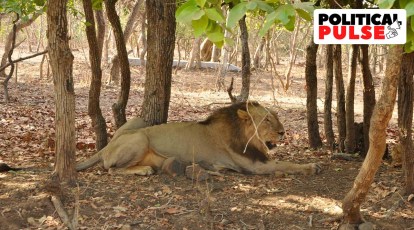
300,203
14,185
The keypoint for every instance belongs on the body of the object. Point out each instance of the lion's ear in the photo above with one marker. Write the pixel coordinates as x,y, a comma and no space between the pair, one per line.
243,114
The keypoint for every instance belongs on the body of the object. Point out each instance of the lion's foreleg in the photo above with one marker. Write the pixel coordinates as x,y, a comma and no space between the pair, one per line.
293,168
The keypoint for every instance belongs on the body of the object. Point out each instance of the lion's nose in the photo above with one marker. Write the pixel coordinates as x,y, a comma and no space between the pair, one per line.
281,133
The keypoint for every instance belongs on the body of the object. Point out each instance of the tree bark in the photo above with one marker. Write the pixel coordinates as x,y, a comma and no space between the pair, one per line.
258,54
61,60
129,27
340,97
329,134
195,61
119,107
161,40
350,142
368,95
377,137
244,37
206,50
311,96
95,57
405,119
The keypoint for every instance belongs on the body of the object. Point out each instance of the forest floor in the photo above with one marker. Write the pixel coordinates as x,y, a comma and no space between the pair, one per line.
231,201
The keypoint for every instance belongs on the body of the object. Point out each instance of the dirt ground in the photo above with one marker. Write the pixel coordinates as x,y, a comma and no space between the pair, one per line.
231,201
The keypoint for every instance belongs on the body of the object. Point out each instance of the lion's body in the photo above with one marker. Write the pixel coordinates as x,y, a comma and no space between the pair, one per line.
216,143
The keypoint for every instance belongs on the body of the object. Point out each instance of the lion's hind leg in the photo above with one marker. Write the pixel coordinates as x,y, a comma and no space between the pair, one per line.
283,167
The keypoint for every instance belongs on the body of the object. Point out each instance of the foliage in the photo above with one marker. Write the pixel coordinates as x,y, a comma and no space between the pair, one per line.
206,16
24,8
408,5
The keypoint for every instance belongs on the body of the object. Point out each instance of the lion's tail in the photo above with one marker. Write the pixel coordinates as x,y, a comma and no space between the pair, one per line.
93,160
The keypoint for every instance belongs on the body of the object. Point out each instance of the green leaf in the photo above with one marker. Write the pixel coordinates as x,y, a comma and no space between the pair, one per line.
385,4
236,13
284,12
303,14
39,2
200,25
270,20
201,3
215,36
264,6
251,5
409,8
412,23
402,3
306,6
189,13
409,47
214,15
179,11
291,24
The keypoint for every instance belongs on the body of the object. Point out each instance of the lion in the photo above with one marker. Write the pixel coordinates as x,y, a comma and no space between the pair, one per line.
237,137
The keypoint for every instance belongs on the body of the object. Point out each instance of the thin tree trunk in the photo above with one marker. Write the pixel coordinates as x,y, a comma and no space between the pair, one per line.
350,142
311,96
95,55
329,134
61,60
129,27
244,37
119,107
215,54
195,61
206,50
161,20
405,119
144,40
340,97
377,136
258,54
292,55
368,95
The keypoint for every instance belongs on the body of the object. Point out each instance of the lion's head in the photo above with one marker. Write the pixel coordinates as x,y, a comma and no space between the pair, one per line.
252,128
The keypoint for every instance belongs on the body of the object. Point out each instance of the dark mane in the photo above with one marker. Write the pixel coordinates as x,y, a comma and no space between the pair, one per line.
228,115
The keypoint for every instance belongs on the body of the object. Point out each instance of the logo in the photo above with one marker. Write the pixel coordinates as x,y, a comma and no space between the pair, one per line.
360,26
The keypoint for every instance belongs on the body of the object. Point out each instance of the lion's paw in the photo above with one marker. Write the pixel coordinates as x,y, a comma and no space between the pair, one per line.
145,171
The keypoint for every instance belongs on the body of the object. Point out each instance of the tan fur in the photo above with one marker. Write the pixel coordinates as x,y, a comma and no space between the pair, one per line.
217,143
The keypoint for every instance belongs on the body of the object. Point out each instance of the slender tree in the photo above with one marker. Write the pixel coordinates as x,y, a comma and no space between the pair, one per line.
368,95
349,102
95,57
405,119
119,107
340,97
160,42
311,96
329,134
377,136
61,60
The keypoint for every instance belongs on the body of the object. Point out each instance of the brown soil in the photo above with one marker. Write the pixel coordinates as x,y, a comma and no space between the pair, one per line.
230,201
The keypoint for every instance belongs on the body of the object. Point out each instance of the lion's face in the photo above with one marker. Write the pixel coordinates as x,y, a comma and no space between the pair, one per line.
269,129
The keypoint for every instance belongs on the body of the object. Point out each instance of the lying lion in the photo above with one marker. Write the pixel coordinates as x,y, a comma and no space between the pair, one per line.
237,137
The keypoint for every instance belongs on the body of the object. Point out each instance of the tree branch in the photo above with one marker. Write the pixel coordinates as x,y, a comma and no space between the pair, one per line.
22,59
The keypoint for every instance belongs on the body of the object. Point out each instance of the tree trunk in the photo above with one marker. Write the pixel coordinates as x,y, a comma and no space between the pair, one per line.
100,25
340,97
330,138
206,50
377,136
95,55
368,95
292,55
405,119
161,20
215,54
195,61
244,37
350,142
144,39
129,27
118,108
258,54
311,96
61,60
